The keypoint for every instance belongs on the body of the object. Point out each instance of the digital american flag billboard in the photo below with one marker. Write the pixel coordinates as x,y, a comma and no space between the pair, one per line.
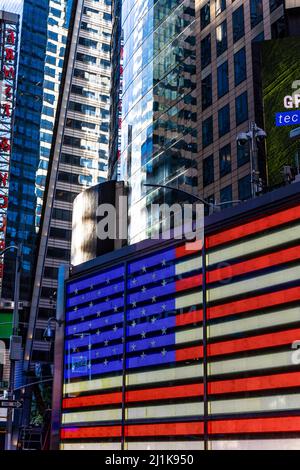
155,358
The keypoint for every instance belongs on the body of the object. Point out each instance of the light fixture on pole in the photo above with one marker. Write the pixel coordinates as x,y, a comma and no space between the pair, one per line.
254,135
48,334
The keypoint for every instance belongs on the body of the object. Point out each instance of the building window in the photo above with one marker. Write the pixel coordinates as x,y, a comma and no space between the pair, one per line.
256,12
225,160
205,15
260,37
206,87
226,196
220,6
207,132
221,38
244,188
240,69
243,154
223,79
224,120
278,29
241,108
208,170
238,24
275,4
205,51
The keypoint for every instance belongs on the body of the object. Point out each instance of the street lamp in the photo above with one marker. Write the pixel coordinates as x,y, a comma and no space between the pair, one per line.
48,334
254,135
212,206
13,341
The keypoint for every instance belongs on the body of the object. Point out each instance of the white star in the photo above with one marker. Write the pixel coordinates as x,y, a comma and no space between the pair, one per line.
164,352
90,325
143,311
115,328
153,343
133,347
82,318
82,297
99,292
114,350
133,324
97,354
106,320
153,320
133,304
153,275
143,334
163,331
163,262
76,291
106,342
144,289
89,366
91,304
75,308
163,306
164,282
134,281
91,286
116,287
89,346
105,362
74,349
123,339
98,314
107,281
98,332
144,269
115,308
143,355
154,299
107,299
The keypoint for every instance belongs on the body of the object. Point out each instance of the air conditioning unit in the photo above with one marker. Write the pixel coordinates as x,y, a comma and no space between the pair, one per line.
15,353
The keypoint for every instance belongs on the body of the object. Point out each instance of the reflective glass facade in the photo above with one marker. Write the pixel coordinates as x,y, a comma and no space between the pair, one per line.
158,136
42,51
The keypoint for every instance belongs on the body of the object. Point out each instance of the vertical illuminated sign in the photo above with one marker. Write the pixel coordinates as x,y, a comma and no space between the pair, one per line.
8,52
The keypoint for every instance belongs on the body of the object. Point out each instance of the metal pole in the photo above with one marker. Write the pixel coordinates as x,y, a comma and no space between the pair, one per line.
9,422
253,159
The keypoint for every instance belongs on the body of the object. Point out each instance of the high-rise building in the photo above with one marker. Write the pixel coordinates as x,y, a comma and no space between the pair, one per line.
156,49
227,33
217,41
41,57
78,158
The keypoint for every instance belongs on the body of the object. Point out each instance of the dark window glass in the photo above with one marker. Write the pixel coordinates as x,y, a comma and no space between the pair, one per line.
238,24
60,233
224,120
226,196
240,70
244,188
278,28
208,170
62,214
59,253
260,37
256,12
51,272
223,80
205,51
220,6
205,15
241,108
243,154
275,4
207,132
66,196
221,38
225,160
206,87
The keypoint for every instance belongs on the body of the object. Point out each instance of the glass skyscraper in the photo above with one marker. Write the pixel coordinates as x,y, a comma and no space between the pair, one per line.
41,57
158,139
